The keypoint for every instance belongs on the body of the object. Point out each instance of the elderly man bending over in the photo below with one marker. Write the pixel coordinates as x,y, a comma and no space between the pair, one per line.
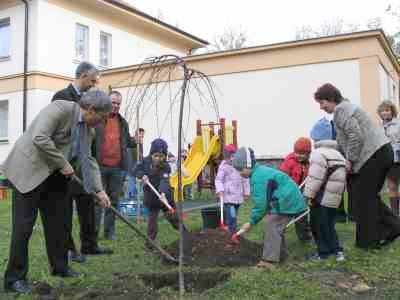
40,167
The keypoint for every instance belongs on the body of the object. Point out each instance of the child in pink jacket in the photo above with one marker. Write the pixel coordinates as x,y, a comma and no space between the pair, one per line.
231,187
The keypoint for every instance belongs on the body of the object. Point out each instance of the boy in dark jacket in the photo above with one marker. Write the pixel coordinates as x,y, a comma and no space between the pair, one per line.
156,170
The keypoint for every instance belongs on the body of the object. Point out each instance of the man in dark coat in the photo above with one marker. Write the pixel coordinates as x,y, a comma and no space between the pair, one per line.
86,77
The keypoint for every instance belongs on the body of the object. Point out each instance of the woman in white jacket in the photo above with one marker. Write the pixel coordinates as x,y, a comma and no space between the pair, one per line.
387,111
324,188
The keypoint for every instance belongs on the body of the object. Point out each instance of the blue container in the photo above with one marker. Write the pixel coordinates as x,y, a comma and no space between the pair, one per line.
129,209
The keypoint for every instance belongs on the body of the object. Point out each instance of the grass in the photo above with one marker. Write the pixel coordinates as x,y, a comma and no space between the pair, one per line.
296,279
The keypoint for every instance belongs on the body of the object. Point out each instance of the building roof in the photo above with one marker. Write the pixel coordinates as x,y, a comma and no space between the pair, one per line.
125,6
377,34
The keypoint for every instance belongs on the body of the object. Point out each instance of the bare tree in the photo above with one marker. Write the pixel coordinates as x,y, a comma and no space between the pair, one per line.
374,23
394,39
230,39
328,28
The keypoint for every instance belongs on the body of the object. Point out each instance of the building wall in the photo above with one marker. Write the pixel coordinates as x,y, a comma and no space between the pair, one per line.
14,121
388,86
272,107
37,100
15,64
56,41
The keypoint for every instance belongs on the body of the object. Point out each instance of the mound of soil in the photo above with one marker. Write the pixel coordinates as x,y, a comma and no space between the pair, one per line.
213,247
195,281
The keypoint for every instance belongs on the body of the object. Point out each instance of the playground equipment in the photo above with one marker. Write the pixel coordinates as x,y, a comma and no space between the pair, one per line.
205,154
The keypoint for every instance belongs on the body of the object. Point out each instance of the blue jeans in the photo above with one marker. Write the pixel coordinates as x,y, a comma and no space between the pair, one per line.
230,215
112,179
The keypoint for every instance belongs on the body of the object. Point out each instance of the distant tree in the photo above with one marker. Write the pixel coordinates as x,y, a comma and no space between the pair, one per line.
338,26
230,39
328,28
394,39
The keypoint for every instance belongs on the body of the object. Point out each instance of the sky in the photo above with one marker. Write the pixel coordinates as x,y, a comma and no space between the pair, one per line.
265,22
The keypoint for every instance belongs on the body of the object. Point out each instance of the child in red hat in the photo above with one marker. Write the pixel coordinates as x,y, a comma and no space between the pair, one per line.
296,165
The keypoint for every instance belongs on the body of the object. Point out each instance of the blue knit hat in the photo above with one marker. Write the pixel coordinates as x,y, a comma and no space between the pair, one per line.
159,145
244,158
323,130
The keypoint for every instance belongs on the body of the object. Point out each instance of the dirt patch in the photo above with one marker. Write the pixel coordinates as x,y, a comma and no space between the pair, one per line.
195,281
348,285
44,291
124,287
213,247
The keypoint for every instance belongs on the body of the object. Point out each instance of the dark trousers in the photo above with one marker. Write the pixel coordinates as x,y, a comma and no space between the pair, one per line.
341,215
152,222
350,196
172,218
85,207
323,229
50,199
374,220
113,179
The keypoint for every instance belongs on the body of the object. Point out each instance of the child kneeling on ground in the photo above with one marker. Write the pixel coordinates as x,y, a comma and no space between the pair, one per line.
324,188
274,194
155,169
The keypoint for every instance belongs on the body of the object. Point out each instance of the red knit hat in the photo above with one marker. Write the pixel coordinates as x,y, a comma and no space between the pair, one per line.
302,145
230,148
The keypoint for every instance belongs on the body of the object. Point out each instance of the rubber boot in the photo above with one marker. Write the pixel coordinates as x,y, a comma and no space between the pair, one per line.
394,205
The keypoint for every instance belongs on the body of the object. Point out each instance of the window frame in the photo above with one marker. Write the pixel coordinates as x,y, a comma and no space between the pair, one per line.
6,137
6,22
109,49
87,42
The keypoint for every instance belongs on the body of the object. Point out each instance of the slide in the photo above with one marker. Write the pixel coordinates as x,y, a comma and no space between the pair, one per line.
197,159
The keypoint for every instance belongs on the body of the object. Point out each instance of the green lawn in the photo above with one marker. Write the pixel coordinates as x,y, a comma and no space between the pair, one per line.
296,279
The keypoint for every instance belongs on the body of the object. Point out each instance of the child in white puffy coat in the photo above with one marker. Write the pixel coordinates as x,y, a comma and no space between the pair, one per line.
324,188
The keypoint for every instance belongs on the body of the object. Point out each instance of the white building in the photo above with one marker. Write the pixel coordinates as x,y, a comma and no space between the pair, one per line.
269,89
62,33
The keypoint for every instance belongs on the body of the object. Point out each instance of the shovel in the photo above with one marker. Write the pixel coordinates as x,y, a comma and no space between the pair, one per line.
235,236
221,220
162,199
133,227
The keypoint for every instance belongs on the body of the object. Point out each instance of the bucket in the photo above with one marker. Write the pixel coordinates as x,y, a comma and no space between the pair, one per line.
129,209
211,217
4,190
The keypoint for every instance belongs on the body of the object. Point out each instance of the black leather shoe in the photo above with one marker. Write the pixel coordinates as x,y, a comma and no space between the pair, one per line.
69,273
76,257
19,286
97,251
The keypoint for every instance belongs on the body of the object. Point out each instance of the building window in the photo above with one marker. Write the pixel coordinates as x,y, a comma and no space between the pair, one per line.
4,120
105,49
5,37
82,42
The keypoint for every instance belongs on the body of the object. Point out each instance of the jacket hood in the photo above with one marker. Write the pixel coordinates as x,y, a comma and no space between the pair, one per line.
326,144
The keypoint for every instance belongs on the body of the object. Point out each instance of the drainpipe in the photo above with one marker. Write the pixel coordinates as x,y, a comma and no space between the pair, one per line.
25,88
